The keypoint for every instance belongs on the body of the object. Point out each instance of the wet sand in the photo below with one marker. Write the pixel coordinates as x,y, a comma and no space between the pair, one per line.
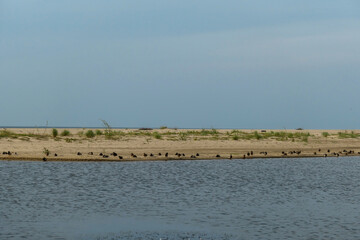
30,143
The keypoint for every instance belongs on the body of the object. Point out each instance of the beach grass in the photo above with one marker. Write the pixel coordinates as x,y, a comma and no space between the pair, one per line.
346,134
178,135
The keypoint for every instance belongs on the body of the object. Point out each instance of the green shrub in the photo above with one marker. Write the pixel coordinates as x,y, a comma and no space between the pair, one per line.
163,127
98,132
157,135
90,134
65,133
235,137
54,132
325,134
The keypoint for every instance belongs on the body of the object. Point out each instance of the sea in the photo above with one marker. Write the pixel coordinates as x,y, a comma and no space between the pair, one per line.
297,198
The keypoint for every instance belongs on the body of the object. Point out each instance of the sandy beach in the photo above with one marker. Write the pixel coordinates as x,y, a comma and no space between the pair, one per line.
82,144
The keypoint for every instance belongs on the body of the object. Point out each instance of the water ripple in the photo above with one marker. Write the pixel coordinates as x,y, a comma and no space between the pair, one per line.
239,199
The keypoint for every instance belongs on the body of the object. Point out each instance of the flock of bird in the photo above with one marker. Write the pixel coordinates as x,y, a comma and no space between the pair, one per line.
336,154
166,155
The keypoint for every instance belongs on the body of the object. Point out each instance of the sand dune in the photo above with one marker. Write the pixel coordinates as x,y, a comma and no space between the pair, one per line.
30,143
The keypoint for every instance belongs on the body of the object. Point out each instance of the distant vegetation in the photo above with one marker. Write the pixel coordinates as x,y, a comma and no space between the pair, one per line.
177,135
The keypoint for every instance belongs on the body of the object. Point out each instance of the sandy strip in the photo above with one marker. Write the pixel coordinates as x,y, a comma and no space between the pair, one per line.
30,143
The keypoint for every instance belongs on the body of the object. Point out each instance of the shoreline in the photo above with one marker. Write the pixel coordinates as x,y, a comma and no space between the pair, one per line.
80,144
53,159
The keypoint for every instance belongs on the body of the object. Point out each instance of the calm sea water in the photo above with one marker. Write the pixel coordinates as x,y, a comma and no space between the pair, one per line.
238,199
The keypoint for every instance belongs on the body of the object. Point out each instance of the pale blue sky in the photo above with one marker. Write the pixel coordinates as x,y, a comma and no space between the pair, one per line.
198,64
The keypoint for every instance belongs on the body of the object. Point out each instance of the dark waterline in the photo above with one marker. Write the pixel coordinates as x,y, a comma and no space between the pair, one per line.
241,199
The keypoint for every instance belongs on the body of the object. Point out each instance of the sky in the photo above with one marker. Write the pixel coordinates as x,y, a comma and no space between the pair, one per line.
251,64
